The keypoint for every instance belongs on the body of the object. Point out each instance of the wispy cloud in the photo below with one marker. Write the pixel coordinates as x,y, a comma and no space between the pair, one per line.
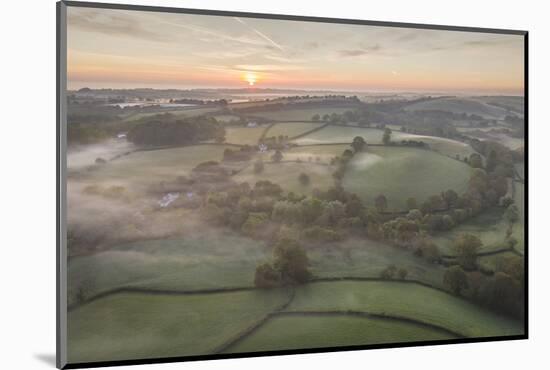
113,25
262,35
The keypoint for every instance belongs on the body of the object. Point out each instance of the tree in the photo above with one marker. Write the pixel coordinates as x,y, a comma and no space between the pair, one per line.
266,276
291,260
412,204
475,160
466,247
304,179
450,196
389,272
258,166
456,279
512,214
358,144
316,117
491,161
427,249
277,156
402,273
381,203
386,139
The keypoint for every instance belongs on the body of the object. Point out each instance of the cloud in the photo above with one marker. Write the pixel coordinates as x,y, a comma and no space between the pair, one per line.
112,24
262,35
364,50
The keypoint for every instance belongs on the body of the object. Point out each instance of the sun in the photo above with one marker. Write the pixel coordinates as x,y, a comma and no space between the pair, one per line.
251,78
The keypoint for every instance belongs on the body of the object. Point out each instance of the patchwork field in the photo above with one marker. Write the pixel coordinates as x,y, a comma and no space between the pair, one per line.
460,105
129,325
399,299
243,135
291,129
302,114
162,164
400,173
193,263
286,174
310,331
345,134
189,112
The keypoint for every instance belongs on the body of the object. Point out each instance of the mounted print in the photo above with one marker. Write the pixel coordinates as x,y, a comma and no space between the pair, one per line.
237,184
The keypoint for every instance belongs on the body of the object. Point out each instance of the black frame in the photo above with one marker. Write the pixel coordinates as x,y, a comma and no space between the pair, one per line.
60,189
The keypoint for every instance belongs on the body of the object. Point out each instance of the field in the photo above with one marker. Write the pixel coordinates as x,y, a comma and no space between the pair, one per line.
341,134
243,135
345,134
153,280
396,299
131,326
189,112
192,263
301,114
460,105
400,173
291,129
286,174
162,164
309,331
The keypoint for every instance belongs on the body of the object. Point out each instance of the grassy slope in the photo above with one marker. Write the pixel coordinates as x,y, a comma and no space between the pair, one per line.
179,112
324,152
317,331
291,129
146,167
400,173
339,134
132,326
405,300
211,260
243,135
286,175
460,105
304,114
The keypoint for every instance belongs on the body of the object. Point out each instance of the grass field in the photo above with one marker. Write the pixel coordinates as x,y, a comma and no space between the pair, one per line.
400,173
226,117
193,112
163,164
399,299
291,129
488,227
243,135
198,262
286,174
460,105
301,114
318,331
341,134
368,258
131,326
324,152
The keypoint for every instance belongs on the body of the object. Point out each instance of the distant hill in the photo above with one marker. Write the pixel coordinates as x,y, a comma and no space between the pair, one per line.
461,105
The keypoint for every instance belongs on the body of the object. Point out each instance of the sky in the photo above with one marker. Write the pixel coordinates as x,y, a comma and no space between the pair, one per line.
129,49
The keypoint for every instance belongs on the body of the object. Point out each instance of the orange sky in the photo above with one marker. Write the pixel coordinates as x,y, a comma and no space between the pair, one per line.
116,48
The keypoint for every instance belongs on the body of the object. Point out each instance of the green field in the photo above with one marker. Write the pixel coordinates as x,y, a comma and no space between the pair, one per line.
400,173
341,134
243,135
291,129
317,153
460,105
192,263
318,331
408,300
163,164
189,112
132,326
345,134
226,117
368,258
286,174
301,114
